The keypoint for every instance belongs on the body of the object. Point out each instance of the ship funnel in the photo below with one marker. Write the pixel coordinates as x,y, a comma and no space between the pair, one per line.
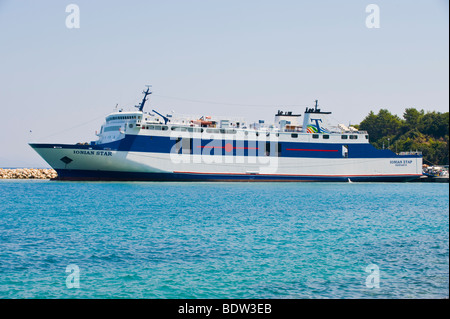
315,121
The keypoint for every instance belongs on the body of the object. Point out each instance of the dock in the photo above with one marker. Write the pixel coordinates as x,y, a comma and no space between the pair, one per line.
428,179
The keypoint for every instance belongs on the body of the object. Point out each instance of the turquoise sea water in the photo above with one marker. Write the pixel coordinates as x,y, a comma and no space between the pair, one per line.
223,240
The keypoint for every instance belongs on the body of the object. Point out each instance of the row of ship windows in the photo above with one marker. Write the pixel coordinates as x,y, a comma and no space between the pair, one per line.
111,128
326,136
196,129
187,129
185,146
228,131
124,117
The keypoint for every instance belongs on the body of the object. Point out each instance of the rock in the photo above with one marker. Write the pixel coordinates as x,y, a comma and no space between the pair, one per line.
27,173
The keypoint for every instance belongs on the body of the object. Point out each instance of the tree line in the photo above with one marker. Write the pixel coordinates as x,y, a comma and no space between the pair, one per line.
417,130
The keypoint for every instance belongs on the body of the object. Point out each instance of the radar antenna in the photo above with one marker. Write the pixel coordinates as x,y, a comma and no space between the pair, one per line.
317,104
146,93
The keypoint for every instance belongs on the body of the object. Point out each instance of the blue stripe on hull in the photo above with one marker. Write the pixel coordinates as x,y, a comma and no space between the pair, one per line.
157,144
88,175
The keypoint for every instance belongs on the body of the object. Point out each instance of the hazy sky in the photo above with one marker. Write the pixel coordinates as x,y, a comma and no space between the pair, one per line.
249,57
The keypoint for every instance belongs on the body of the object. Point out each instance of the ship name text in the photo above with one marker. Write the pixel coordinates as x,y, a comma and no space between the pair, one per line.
89,152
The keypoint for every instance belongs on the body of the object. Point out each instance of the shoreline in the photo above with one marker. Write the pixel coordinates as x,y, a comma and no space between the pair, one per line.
28,173
49,173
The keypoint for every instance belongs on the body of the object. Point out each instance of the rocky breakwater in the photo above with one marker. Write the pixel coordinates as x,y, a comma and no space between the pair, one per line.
27,173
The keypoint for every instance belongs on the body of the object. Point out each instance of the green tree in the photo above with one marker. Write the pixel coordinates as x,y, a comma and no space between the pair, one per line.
381,125
412,118
426,132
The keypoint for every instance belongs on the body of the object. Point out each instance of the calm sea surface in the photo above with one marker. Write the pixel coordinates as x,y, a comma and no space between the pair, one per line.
223,240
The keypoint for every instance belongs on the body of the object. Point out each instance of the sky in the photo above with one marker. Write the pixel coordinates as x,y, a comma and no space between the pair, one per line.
243,58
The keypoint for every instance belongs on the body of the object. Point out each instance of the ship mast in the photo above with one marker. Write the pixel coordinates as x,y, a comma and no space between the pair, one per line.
146,93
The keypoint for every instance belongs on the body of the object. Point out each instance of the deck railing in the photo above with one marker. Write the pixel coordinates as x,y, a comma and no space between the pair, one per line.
410,153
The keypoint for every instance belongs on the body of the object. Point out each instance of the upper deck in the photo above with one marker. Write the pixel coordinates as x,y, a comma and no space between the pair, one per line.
136,123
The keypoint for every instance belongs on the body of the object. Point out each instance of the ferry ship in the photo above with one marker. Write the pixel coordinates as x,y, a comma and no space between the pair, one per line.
151,146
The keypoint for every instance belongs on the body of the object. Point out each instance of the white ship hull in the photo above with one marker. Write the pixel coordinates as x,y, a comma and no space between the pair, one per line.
89,164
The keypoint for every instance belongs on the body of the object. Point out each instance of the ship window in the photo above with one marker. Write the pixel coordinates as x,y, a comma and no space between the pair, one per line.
367,137
164,128
294,135
353,137
326,137
315,136
178,128
344,137
195,129
267,148
227,131
111,128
